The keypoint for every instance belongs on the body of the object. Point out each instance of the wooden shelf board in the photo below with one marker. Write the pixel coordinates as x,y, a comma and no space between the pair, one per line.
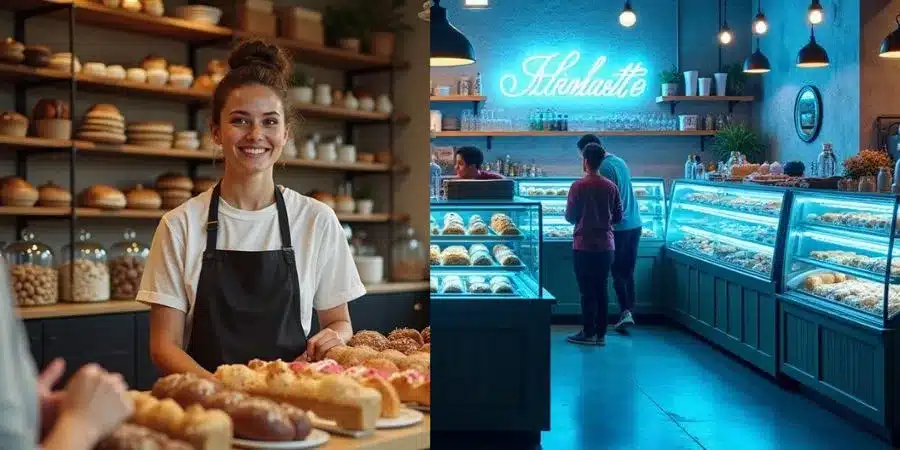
80,309
315,54
458,98
90,83
34,211
33,142
27,5
705,98
355,167
20,72
136,150
335,112
121,213
395,287
91,13
570,133
368,218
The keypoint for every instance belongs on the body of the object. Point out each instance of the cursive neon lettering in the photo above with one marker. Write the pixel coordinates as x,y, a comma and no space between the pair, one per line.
548,76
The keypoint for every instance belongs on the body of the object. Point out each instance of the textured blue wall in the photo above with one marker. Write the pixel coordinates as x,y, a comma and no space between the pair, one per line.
839,84
510,31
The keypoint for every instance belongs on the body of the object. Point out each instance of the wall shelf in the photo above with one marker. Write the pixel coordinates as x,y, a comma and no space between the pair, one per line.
41,211
569,133
458,98
673,100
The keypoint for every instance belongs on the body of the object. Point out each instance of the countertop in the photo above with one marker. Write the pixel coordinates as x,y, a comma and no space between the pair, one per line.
412,438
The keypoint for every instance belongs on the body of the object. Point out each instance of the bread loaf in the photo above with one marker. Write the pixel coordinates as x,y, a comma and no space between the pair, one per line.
51,195
205,429
13,124
15,191
103,196
173,180
142,198
49,108
253,418
136,437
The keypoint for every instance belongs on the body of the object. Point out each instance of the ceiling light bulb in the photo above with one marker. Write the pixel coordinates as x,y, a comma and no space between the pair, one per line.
760,26
816,14
725,36
628,18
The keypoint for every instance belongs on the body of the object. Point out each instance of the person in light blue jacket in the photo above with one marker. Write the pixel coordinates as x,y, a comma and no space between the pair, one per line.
627,233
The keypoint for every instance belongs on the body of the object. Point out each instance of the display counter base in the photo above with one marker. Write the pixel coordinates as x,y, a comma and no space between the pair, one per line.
852,365
559,279
639,319
730,310
491,365
486,440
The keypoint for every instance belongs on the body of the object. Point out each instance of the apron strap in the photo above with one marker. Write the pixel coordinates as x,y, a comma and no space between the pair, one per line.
212,220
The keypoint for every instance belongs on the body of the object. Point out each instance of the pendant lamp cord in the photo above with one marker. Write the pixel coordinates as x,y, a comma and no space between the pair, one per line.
719,8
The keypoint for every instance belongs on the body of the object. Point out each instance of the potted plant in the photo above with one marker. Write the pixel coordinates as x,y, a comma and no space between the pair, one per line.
384,21
738,138
344,27
669,80
301,87
737,79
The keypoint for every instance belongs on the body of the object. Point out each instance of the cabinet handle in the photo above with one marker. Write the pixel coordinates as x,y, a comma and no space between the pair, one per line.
417,307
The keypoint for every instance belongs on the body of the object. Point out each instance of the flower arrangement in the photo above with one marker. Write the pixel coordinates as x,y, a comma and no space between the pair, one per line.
866,163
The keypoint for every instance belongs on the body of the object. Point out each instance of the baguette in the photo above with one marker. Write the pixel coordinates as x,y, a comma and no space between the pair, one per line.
335,397
254,418
205,429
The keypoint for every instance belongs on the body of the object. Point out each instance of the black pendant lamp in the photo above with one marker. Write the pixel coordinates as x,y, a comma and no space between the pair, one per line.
725,33
812,55
476,4
757,62
627,18
449,47
890,46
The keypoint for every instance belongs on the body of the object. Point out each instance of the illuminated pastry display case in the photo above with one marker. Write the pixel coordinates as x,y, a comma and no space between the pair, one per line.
722,246
490,309
559,278
840,298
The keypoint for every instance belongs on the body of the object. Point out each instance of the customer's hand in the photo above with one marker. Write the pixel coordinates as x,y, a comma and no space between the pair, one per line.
97,401
318,345
50,400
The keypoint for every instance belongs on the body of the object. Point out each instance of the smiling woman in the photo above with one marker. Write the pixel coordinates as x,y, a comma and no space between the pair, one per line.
235,273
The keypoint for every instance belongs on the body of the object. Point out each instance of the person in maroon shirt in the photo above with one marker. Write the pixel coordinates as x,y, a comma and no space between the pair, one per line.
593,207
468,165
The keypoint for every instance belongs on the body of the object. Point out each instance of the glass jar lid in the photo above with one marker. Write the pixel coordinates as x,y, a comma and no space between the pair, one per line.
130,246
85,248
28,250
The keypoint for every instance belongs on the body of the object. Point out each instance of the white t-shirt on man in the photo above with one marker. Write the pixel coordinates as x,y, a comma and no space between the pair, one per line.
326,271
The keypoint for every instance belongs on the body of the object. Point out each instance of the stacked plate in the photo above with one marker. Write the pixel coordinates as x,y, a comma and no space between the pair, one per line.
103,124
151,134
187,140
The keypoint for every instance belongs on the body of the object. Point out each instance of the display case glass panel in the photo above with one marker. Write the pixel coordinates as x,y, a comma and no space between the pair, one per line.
552,193
732,226
839,253
485,249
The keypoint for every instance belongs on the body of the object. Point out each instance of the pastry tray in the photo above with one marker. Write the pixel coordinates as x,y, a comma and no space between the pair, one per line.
490,237
477,269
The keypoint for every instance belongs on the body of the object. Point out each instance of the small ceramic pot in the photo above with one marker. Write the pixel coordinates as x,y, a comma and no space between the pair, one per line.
302,94
366,104
347,154
350,102
384,104
326,152
365,206
352,45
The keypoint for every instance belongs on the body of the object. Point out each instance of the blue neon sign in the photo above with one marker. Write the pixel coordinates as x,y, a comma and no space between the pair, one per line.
549,75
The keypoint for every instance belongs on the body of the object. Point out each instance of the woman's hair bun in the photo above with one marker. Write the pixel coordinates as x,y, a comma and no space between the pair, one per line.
259,53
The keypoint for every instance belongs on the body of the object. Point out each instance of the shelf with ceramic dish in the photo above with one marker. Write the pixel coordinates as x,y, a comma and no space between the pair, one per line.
339,113
673,100
446,134
331,57
457,98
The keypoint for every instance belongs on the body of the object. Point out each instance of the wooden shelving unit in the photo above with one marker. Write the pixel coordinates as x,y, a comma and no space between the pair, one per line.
570,133
41,211
458,98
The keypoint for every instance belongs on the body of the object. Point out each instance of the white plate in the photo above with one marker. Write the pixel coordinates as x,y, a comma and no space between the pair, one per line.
407,417
418,407
315,439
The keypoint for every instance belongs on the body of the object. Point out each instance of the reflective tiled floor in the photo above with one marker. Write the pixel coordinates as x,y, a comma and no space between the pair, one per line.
663,388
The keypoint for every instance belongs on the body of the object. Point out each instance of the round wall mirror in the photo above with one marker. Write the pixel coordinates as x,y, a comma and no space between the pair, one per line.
808,113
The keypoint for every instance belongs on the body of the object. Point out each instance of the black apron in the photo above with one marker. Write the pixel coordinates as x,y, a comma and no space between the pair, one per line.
248,303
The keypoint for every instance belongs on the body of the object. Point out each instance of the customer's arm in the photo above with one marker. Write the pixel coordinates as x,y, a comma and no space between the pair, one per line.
18,378
615,206
573,207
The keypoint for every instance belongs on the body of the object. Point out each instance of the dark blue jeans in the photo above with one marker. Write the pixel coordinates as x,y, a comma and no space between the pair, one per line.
591,272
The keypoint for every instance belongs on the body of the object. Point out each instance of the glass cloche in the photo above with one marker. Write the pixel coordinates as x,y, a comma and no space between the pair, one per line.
91,274
32,272
408,258
126,266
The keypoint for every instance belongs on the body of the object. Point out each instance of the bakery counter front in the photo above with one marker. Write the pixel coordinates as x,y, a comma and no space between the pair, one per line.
723,243
559,277
492,315
839,302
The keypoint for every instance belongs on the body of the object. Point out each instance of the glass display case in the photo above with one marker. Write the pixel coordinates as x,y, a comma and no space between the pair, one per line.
840,253
732,226
485,249
553,192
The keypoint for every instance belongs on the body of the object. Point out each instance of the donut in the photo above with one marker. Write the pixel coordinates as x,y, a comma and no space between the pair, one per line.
406,333
369,338
426,334
404,344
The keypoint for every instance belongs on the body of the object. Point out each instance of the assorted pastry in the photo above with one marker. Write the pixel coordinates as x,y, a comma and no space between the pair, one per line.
475,255
860,220
857,261
551,209
51,119
549,191
558,231
761,234
856,293
735,202
129,436
474,284
648,233
729,254
203,428
454,225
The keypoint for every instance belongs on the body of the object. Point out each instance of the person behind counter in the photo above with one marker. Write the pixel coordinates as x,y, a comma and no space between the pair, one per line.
234,273
627,233
593,206
32,414
468,165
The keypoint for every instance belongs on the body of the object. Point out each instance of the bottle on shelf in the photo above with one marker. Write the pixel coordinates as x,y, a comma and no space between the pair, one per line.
884,180
476,88
699,170
827,162
689,168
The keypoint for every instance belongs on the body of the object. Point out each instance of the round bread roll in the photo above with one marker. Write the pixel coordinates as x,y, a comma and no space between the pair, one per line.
406,333
172,198
51,195
258,419
195,392
37,56
204,82
426,334
12,51
142,198
426,348
154,62
177,69
105,111
172,180
224,400
372,339
104,196
404,344
13,124
298,417
50,108
382,364
394,356
15,191
339,354
217,67
203,184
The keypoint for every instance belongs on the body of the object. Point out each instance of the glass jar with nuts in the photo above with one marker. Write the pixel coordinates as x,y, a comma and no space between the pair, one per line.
32,272
86,278
126,266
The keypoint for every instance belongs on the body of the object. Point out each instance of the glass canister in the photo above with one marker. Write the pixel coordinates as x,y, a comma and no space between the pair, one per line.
32,272
408,257
89,281
126,266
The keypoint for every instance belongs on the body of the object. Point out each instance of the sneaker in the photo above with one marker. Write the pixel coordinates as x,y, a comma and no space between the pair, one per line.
583,339
624,322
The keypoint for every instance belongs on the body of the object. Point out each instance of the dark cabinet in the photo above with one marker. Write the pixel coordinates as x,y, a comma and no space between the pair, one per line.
146,371
108,340
385,312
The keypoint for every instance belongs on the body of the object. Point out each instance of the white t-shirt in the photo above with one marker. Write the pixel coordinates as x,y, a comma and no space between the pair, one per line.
325,267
